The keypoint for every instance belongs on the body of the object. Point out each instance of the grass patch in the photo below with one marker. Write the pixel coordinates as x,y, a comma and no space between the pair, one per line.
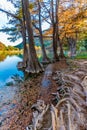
82,55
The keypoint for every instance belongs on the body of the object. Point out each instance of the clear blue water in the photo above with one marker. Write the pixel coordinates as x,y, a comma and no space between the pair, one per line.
8,68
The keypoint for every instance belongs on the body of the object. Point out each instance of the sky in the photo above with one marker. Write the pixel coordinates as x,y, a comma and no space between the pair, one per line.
3,22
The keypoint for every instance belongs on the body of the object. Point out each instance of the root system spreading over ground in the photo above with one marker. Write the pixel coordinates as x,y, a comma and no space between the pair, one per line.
54,100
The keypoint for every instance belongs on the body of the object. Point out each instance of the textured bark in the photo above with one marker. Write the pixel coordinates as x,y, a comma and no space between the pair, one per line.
61,50
33,63
55,43
72,46
25,51
44,56
55,29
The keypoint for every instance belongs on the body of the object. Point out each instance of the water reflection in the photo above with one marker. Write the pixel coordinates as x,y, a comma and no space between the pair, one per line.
8,69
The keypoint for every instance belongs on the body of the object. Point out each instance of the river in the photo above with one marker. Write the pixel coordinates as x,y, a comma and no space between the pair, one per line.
8,68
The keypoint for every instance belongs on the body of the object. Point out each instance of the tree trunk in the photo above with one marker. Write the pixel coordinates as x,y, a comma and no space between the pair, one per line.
72,46
33,63
44,56
55,40
55,43
57,31
25,51
61,50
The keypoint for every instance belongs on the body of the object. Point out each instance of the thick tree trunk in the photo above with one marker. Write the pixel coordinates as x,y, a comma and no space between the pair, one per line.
55,40
61,50
61,55
44,56
55,43
72,46
33,63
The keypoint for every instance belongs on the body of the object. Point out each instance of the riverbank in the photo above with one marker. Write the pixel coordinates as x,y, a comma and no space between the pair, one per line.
20,116
27,93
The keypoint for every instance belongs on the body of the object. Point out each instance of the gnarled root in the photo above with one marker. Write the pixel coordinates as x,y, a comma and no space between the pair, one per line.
84,84
54,114
39,110
69,112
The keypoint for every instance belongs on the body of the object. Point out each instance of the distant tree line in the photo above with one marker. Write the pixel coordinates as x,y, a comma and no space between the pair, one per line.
7,48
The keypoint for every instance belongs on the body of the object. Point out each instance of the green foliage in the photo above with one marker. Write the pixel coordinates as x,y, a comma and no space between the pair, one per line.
81,55
85,44
31,6
82,45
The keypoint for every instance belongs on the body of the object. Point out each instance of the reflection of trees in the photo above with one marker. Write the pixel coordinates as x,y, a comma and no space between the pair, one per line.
20,56
2,56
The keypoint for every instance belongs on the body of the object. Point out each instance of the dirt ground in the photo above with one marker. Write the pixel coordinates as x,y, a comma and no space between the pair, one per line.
20,115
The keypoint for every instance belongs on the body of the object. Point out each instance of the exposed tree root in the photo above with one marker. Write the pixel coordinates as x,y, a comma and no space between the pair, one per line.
70,110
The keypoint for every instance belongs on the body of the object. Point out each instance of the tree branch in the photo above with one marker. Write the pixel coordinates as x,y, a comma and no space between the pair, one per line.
12,15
